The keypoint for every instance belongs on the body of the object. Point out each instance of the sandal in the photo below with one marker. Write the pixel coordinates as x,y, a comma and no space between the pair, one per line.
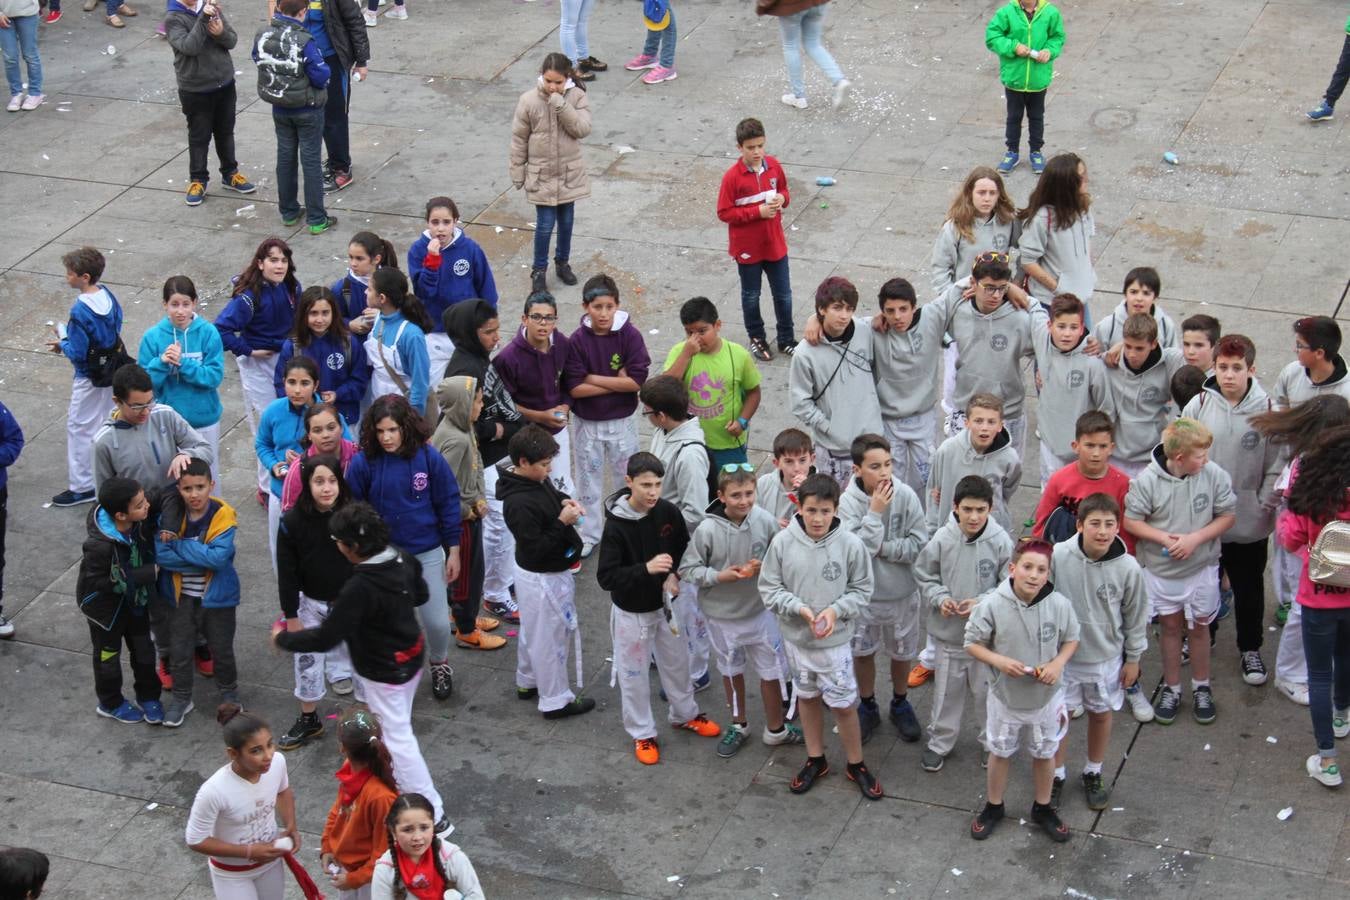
816,767
759,348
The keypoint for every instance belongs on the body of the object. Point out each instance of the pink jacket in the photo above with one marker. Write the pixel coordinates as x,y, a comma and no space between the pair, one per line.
290,487
1297,533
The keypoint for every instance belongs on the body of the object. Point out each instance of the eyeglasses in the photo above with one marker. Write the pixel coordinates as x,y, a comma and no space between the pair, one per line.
542,319
737,467
137,407
648,413
994,288
1300,346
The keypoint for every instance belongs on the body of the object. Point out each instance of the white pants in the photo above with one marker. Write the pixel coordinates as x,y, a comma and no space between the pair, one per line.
1017,435
265,883
1003,728
311,668
211,434
950,353
639,637
439,350
393,703
560,471
598,446
361,893
911,442
274,514
89,406
1290,663
1050,463
548,615
840,468
956,676
694,628
255,380
928,655
499,546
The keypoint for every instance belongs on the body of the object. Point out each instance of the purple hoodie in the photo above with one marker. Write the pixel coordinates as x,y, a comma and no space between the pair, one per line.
593,354
531,377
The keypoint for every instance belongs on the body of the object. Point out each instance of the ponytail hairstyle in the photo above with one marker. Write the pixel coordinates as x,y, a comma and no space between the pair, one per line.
310,368
374,245
362,740
393,284
562,64
403,803
251,279
337,328
444,203
238,726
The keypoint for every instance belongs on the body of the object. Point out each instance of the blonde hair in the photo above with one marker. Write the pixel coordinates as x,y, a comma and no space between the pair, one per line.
962,212
1185,436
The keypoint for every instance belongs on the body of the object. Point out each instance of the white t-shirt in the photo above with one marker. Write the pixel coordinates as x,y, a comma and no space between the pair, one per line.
238,811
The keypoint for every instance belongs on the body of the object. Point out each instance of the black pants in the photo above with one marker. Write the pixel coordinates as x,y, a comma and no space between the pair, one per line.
1340,76
210,116
4,520
1245,565
133,629
1033,104
466,594
185,622
336,138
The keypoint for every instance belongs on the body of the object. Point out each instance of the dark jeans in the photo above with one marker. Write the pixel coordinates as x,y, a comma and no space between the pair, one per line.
545,217
217,625
210,115
1033,104
300,134
1340,76
4,520
719,458
133,629
335,133
1245,565
1326,647
780,286
466,594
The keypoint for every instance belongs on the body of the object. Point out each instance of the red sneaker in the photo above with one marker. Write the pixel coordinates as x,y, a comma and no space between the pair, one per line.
52,17
206,666
165,679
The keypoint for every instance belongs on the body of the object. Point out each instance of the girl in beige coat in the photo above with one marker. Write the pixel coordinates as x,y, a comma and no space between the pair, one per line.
550,121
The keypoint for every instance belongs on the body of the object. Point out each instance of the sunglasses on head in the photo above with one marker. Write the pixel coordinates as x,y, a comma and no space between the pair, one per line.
737,467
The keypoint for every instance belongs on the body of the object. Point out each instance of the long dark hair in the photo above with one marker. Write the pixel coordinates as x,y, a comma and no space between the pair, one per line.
374,245
1299,427
362,739
394,284
403,803
560,63
251,279
410,423
337,329
312,411
1319,491
238,726
308,465
179,284
1059,190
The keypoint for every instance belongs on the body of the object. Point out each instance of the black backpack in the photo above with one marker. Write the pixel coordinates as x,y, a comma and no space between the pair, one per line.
101,363
1060,525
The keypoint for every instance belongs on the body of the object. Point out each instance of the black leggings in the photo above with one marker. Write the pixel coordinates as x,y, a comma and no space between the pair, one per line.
1340,76
1032,103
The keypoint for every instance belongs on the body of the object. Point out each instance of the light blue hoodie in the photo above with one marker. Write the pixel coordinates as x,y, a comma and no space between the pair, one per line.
191,388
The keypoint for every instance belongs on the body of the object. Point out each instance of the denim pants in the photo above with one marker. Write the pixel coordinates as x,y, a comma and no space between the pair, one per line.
545,217
1032,104
1334,90
801,31
780,286
300,134
576,16
665,40
336,137
1326,646
20,39
210,115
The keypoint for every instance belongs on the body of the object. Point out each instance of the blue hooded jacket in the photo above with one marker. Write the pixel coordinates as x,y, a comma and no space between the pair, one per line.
351,294
345,371
280,428
463,274
247,324
417,497
214,554
95,320
11,443
192,387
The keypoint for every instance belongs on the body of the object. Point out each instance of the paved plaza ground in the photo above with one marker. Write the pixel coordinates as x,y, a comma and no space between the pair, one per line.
1252,226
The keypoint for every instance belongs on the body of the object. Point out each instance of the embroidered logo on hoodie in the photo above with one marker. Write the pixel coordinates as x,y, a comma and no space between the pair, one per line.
1199,503
999,342
420,481
1076,379
461,267
986,569
832,571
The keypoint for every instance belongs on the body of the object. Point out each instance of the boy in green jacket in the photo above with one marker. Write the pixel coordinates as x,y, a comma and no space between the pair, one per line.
1027,35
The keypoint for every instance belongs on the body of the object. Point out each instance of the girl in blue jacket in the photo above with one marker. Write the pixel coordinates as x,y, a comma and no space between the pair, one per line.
186,360
366,253
254,324
414,490
11,444
397,346
320,333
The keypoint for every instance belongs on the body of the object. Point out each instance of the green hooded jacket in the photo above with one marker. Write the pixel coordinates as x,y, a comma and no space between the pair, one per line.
1044,30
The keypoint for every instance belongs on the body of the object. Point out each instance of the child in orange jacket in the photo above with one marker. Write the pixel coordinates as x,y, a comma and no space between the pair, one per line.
354,836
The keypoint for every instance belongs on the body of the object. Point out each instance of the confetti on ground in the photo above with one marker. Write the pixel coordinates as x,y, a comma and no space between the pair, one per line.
1284,814
1272,739
672,878
957,872
152,806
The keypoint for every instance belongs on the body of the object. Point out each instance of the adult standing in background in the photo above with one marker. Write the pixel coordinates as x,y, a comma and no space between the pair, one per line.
801,22
575,40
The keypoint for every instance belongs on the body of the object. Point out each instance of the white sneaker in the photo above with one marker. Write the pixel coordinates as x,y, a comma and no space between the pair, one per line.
1139,705
33,102
794,101
587,548
15,103
6,628
1076,712
1298,693
1328,777
1340,723
371,19
398,12
840,92
791,734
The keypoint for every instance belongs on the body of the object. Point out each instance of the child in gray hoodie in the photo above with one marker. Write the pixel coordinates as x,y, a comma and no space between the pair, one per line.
816,578
881,510
1141,390
982,448
775,490
1071,381
1026,632
962,562
1178,508
1141,289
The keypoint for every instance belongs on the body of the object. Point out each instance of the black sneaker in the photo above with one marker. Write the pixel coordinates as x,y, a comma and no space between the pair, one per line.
865,780
73,498
1048,819
906,721
577,707
527,693
1096,790
816,767
869,717
1056,790
986,821
442,680
1202,705
538,280
787,348
306,728
1253,668
563,270
1165,711
759,349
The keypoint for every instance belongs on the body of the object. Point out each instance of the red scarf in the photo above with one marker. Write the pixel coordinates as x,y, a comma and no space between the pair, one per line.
421,878
350,783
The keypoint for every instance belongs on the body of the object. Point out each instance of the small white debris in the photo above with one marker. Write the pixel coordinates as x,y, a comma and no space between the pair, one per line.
243,209
889,228
655,331
759,869
1272,739
957,872
111,51
499,229
152,806
46,157
1185,853
1207,746
624,149
932,118
1284,814
1117,809
672,878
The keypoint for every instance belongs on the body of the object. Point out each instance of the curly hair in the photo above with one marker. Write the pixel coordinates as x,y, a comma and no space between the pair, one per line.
410,423
1319,492
962,213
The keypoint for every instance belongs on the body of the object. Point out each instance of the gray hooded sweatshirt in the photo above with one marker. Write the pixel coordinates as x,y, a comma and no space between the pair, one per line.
1065,253
956,458
719,542
953,255
1030,632
954,567
1142,400
1178,506
143,452
800,572
1252,462
893,539
1295,385
1108,598
832,389
771,496
992,346
1072,383
907,363
1110,331
685,456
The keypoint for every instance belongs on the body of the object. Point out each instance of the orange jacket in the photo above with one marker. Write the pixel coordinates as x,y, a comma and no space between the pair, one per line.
356,835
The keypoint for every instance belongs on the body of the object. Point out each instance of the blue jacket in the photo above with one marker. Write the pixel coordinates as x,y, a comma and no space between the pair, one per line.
463,273
95,318
11,443
351,296
191,387
246,325
345,371
418,497
280,428
214,554
412,352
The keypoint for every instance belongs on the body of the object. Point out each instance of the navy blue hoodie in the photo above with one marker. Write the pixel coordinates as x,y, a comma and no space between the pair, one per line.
343,370
247,323
418,497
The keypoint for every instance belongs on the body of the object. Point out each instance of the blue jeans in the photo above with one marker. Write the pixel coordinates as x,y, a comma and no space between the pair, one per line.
801,31
335,134
576,16
780,286
1326,646
20,39
664,39
545,217
300,133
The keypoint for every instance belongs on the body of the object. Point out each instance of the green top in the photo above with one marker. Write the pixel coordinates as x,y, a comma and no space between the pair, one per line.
1044,30
717,384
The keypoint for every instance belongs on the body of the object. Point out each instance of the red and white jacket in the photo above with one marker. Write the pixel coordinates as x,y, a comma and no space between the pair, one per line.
750,238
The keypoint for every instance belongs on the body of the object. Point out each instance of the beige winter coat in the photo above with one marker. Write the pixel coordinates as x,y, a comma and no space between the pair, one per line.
546,138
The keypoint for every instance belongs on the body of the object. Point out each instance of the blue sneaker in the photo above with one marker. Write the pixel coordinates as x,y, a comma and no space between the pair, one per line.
1225,604
700,684
153,711
1323,111
128,713
869,717
1037,162
905,720
1009,162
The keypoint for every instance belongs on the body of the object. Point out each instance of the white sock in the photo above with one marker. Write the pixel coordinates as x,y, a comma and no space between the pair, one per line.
1059,772
1197,683
1092,768
1175,688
